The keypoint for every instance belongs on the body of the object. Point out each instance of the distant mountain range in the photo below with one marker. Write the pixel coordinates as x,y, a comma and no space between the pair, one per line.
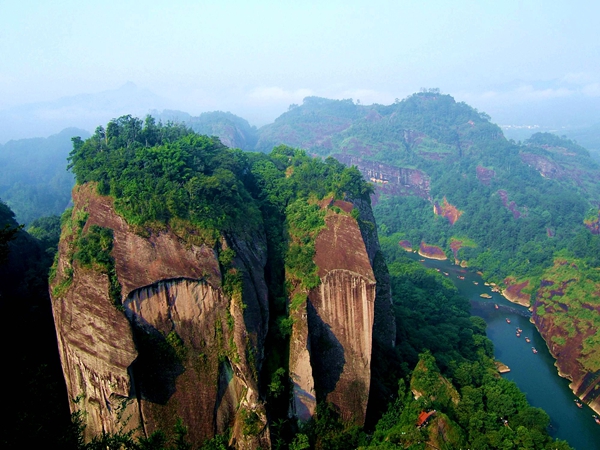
85,111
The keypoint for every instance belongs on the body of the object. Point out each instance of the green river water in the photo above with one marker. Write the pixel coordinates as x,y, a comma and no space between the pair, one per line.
534,373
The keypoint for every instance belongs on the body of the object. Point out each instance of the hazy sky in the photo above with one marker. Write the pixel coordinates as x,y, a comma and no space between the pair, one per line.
254,58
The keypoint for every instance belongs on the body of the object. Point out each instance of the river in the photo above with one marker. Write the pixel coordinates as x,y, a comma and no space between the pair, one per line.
534,373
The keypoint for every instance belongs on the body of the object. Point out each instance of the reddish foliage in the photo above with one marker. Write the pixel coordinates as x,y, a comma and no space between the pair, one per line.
485,175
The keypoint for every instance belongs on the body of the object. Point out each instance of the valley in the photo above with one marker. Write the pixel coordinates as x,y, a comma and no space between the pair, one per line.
304,314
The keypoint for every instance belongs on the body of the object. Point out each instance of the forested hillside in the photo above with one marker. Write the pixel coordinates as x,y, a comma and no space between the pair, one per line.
450,185
526,215
34,180
232,130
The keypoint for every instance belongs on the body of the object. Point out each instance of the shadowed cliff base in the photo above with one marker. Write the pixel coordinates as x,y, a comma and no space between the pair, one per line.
326,354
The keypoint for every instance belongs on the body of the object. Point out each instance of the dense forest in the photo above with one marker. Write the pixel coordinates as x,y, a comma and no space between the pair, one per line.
520,213
168,176
34,181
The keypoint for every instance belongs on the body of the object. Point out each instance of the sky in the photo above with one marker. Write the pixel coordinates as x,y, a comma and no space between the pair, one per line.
255,58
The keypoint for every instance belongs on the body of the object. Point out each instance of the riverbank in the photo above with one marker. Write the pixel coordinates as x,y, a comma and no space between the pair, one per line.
513,293
432,252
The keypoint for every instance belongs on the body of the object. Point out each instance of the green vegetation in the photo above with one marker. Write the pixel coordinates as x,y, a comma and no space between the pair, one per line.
516,220
477,409
168,176
161,173
570,292
8,230
47,231
34,181
39,410
233,131
454,372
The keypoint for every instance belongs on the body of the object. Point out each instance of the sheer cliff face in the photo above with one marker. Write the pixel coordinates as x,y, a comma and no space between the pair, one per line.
330,357
187,342
567,348
179,348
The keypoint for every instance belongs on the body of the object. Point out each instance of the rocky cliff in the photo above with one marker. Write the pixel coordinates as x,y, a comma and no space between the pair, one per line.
175,345
337,321
565,312
177,258
182,341
390,180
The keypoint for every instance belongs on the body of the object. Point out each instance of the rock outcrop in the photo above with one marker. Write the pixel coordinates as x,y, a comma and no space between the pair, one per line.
432,251
389,179
183,341
334,328
565,310
178,348
450,212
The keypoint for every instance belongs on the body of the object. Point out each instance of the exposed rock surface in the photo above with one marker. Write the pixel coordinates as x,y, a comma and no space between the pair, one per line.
406,245
450,212
546,167
568,333
184,346
96,349
514,292
593,224
389,179
511,206
180,348
485,175
340,317
334,328
432,252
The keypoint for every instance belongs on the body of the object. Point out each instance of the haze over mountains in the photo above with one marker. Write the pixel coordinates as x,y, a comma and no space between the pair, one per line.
567,106
81,111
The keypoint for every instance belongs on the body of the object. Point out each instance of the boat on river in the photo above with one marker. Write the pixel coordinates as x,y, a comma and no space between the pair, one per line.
533,350
596,419
527,339
507,320
578,403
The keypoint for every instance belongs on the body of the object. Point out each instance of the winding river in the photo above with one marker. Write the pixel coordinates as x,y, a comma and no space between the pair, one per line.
534,373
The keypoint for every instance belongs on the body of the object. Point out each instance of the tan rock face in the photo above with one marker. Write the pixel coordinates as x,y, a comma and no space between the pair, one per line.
180,348
340,317
450,212
96,348
180,329
431,251
304,397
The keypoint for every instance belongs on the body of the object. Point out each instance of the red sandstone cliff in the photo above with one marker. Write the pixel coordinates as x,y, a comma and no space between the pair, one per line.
334,328
180,348
450,212
183,347
571,338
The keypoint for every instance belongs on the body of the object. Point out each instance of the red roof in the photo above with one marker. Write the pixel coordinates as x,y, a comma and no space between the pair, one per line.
423,416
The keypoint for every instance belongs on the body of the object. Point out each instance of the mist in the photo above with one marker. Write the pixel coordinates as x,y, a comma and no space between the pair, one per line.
81,64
